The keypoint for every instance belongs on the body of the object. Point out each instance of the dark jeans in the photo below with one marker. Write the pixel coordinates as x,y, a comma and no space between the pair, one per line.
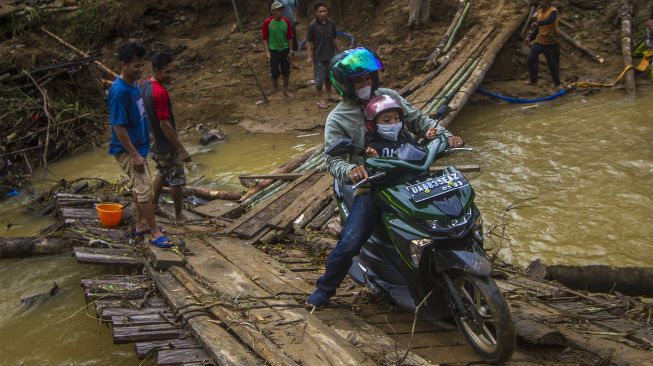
552,55
364,216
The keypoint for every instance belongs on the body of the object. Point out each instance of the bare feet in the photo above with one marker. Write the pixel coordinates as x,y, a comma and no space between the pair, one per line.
322,104
528,82
180,220
279,96
288,94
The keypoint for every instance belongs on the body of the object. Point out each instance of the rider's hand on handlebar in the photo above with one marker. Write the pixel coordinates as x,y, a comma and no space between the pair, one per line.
371,153
455,141
358,173
431,133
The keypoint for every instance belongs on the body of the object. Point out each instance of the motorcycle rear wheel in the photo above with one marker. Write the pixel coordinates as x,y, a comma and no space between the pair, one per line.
490,329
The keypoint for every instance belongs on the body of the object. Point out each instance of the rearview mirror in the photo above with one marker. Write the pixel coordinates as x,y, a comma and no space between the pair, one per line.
342,146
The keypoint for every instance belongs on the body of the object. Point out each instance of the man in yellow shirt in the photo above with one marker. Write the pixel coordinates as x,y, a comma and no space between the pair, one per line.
545,39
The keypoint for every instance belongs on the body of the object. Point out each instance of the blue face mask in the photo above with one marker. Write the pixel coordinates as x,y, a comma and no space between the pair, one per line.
389,132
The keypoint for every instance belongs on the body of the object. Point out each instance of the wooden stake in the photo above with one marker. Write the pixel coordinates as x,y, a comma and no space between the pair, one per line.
625,12
240,24
578,45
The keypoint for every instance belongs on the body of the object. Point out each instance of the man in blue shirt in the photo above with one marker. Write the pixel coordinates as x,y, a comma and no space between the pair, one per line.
130,138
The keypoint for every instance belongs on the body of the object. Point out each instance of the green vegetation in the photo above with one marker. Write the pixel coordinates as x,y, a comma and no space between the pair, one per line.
97,22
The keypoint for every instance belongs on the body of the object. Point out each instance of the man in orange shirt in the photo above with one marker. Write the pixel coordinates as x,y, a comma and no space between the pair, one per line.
545,39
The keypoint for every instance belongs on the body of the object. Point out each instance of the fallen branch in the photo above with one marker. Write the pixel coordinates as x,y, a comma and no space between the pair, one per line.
44,93
102,66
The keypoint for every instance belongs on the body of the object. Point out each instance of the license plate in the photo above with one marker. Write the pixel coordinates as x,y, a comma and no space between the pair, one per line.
437,186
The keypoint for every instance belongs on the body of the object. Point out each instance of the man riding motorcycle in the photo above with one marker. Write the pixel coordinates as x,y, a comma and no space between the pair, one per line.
354,75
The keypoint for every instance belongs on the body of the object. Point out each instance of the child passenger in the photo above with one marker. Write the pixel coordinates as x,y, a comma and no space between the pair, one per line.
385,126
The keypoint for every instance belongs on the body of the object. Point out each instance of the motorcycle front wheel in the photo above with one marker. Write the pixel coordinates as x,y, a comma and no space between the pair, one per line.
489,328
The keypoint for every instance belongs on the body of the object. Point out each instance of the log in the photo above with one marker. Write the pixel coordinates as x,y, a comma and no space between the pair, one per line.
537,333
286,168
102,66
625,12
634,281
578,45
321,219
318,192
487,59
314,209
277,176
433,56
28,246
121,257
208,193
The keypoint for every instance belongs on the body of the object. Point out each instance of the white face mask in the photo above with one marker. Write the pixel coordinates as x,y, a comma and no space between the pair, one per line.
389,132
364,93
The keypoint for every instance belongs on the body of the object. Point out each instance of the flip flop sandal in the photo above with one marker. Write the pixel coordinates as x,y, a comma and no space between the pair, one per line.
162,242
322,105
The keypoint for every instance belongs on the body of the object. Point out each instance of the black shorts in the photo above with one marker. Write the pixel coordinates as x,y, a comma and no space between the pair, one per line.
279,64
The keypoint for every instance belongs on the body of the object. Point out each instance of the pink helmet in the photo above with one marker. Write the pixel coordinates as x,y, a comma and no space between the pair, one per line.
377,105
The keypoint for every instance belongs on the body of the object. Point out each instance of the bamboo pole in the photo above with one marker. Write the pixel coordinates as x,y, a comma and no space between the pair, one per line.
102,66
626,13
486,61
457,28
285,168
445,38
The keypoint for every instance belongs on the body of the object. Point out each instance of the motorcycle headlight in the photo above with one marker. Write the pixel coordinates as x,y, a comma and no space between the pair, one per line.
417,248
441,225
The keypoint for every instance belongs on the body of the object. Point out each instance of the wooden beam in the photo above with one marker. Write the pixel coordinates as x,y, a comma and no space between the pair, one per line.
281,176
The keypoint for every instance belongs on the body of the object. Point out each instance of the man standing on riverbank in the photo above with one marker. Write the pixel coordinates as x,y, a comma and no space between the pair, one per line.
320,48
545,39
277,36
130,138
168,152
418,15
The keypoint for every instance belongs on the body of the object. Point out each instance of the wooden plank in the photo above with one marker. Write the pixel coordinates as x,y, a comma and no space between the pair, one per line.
368,338
162,258
120,257
302,336
79,213
218,342
280,176
141,319
142,333
144,349
176,357
260,221
218,208
470,168
260,268
107,314
236,323
316,192
263,205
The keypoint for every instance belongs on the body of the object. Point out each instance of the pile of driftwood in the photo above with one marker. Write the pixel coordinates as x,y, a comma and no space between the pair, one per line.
38,129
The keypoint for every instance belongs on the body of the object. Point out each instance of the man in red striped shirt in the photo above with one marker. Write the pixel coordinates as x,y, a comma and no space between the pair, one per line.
277,34
168,152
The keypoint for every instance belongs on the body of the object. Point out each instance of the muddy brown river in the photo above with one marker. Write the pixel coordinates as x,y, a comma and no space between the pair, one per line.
584,165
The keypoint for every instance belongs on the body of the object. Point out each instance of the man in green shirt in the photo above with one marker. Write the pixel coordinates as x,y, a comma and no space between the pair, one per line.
277,34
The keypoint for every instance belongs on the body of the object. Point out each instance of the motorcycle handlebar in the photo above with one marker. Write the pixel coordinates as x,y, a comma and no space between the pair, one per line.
369,179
